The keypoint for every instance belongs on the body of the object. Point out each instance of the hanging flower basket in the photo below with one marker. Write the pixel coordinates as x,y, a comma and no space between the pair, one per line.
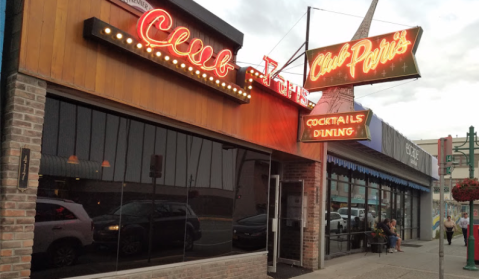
466,190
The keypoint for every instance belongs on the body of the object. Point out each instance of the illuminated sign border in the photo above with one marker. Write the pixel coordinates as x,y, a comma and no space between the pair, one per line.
340,57
106,33
364,124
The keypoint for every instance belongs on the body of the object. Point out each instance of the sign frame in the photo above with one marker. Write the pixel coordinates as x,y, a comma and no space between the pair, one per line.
341,59
363,126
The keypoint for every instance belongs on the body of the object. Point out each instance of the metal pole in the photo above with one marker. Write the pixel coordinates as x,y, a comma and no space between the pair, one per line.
470,242
306,46
441,211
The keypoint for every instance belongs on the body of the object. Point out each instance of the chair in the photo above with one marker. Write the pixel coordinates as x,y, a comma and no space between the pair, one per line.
371,241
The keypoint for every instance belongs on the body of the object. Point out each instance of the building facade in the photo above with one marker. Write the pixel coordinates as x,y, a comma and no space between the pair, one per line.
460,170
122,159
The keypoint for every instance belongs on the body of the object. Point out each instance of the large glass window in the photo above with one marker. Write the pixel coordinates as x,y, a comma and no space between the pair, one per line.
98,195
360,202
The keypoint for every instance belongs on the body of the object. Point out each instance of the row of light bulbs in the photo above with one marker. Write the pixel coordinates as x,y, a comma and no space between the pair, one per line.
258,74
119,36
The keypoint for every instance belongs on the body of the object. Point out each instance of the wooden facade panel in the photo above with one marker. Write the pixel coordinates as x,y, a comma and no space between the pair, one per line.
66,58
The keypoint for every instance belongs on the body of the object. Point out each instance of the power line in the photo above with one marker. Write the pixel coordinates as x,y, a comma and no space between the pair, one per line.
361,17
284,36
386,88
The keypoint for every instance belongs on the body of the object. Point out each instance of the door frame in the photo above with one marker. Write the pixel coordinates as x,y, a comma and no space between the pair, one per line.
274,223
302,222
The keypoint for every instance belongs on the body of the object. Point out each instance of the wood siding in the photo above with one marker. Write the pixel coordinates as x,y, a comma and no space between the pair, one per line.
53,48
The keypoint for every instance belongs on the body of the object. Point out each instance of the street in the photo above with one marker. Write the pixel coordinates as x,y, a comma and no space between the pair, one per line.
416,262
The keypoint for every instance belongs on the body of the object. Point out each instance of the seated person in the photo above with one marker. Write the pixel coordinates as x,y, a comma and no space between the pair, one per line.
392,236
393,229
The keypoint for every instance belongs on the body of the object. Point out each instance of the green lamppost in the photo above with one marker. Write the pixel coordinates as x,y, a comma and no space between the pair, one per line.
471,137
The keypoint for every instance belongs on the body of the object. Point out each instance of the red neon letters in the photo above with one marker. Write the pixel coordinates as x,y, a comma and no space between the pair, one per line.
360,52
198,54
282,86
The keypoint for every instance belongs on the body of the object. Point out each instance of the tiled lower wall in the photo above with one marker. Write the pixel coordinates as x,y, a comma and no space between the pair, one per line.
248,266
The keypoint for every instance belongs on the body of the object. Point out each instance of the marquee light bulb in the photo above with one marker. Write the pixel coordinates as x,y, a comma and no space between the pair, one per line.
240,92
217,81
250,80
158,54
250,87
204,75
244,94
249,96
229,86
261,76
139,45
129,40
167,58
234,89
183,65
256,74
197,72
175,61
119,36
211,78
107,30
252,71
149,50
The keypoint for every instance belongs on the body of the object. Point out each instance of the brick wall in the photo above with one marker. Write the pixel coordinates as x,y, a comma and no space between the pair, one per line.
311,174
22,128
248,266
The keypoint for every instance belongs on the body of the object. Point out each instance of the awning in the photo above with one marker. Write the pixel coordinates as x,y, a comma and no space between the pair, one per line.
58,166
355,167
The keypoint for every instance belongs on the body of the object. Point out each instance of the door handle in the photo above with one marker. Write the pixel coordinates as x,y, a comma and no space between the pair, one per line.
56,228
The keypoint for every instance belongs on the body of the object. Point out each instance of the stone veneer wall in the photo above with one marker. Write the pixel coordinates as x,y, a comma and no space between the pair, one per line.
22,128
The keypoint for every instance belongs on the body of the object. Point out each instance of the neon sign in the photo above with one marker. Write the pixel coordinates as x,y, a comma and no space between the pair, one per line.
197,53
337,126
377,59
278,85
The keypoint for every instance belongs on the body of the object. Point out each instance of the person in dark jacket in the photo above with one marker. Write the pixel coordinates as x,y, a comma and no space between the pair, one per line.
392,236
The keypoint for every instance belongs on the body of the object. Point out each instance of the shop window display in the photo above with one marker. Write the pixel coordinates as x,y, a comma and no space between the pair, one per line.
209,201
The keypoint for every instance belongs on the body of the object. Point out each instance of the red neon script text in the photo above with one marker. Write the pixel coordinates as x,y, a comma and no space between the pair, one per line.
197,53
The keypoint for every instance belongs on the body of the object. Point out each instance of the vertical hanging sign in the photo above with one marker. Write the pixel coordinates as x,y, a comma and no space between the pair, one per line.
23,169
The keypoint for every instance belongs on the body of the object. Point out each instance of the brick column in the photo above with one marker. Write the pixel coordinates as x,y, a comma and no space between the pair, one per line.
23,125
310,172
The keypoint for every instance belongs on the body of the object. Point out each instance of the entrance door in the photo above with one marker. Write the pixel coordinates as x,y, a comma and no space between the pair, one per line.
291,223
273,223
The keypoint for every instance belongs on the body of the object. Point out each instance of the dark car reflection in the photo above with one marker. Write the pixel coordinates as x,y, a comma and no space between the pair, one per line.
168,226
250,232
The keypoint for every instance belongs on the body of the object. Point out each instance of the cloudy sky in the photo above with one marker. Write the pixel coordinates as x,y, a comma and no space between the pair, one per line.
444,101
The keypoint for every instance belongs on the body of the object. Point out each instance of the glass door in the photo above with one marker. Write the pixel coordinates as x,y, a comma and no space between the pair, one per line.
291,216
273,223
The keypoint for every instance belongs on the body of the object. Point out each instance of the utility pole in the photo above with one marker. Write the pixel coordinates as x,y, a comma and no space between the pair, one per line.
471,137
306,45
441,210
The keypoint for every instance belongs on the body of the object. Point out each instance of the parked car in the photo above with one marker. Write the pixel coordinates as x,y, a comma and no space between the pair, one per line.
62,229
168,226
250,232
336,223
355,212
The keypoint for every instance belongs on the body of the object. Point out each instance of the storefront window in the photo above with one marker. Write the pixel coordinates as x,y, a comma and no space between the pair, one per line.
407,215
211,198
374,207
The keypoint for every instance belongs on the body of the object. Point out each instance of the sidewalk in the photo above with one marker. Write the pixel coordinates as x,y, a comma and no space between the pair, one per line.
416,262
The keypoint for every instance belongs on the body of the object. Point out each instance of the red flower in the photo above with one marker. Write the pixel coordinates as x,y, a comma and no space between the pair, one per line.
467,190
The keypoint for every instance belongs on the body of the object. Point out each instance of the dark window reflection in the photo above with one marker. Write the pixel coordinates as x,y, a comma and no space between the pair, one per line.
107,213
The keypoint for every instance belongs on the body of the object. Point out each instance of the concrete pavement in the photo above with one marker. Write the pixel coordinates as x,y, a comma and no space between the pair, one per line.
416,262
